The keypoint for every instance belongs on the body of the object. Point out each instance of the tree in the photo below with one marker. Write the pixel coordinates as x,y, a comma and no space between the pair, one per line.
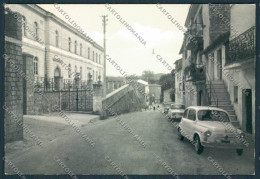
167,81
148,76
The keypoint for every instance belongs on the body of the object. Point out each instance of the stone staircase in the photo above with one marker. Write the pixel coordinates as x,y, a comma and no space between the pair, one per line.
219,93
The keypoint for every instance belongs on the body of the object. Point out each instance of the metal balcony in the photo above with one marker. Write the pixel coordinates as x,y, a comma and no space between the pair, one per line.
241,48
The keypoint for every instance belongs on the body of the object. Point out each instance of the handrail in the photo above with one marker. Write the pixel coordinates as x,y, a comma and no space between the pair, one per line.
211,89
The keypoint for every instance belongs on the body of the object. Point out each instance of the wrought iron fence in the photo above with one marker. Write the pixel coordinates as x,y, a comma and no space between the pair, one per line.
242,47
50,84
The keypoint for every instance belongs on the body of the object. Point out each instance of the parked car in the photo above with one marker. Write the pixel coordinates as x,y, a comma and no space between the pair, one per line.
166,107
176,111
210,127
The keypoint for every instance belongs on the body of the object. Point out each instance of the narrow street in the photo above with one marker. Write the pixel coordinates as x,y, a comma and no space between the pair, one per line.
113,141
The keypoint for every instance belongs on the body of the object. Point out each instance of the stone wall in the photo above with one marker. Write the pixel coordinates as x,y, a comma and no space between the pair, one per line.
45,101
13,84
219,15
123,100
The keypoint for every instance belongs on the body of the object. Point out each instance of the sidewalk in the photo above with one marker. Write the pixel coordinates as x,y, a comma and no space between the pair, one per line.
47,127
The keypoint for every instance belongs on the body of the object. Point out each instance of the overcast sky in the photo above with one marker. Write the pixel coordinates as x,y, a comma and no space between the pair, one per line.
122,46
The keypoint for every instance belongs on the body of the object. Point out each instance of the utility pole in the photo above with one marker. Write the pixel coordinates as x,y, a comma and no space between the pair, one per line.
104,20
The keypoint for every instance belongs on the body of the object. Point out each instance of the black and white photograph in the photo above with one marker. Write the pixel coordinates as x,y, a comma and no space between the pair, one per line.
129,89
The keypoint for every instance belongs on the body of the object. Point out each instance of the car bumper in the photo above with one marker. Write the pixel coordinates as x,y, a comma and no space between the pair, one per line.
176,116
223,145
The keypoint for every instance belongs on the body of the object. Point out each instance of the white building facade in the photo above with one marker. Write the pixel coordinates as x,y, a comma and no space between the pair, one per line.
58,49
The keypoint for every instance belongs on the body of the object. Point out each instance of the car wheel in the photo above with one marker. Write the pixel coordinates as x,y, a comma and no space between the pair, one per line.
198,147
239,151
179,134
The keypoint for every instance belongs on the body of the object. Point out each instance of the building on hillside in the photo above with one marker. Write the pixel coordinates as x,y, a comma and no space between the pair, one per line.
143,87
155,92
218,63
114,83
60,52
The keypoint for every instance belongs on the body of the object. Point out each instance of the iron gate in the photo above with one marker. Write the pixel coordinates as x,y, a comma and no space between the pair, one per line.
77,100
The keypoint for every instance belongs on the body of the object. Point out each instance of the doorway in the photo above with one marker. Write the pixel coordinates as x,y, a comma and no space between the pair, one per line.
199,101
248,110
219,64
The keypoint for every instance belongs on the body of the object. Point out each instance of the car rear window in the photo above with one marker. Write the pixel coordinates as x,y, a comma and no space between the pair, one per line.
213,115
176,106
185,113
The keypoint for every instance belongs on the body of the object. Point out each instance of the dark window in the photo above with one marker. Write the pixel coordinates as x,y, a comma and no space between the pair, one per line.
57,38
192,114
235,94
177,106
35,66
69,44
24,26
213,115
69,71
36,30
80,50
76,46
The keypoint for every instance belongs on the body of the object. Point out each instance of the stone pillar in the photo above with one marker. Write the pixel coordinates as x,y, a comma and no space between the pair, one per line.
97,98
90,82
13,80
28,84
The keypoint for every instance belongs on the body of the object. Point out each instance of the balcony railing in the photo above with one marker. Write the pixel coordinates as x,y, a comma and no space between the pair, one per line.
194,74
194,39
242,47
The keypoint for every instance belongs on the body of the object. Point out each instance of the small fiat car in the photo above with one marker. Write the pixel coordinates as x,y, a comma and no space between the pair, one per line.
176,111
210,127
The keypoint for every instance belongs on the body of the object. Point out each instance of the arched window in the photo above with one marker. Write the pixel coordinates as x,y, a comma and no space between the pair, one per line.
36,30
96,57
96,75
35,66
57,72
76,46
99,61
69,71
24,25
93,56
88,53
57,38
69,44
80,49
